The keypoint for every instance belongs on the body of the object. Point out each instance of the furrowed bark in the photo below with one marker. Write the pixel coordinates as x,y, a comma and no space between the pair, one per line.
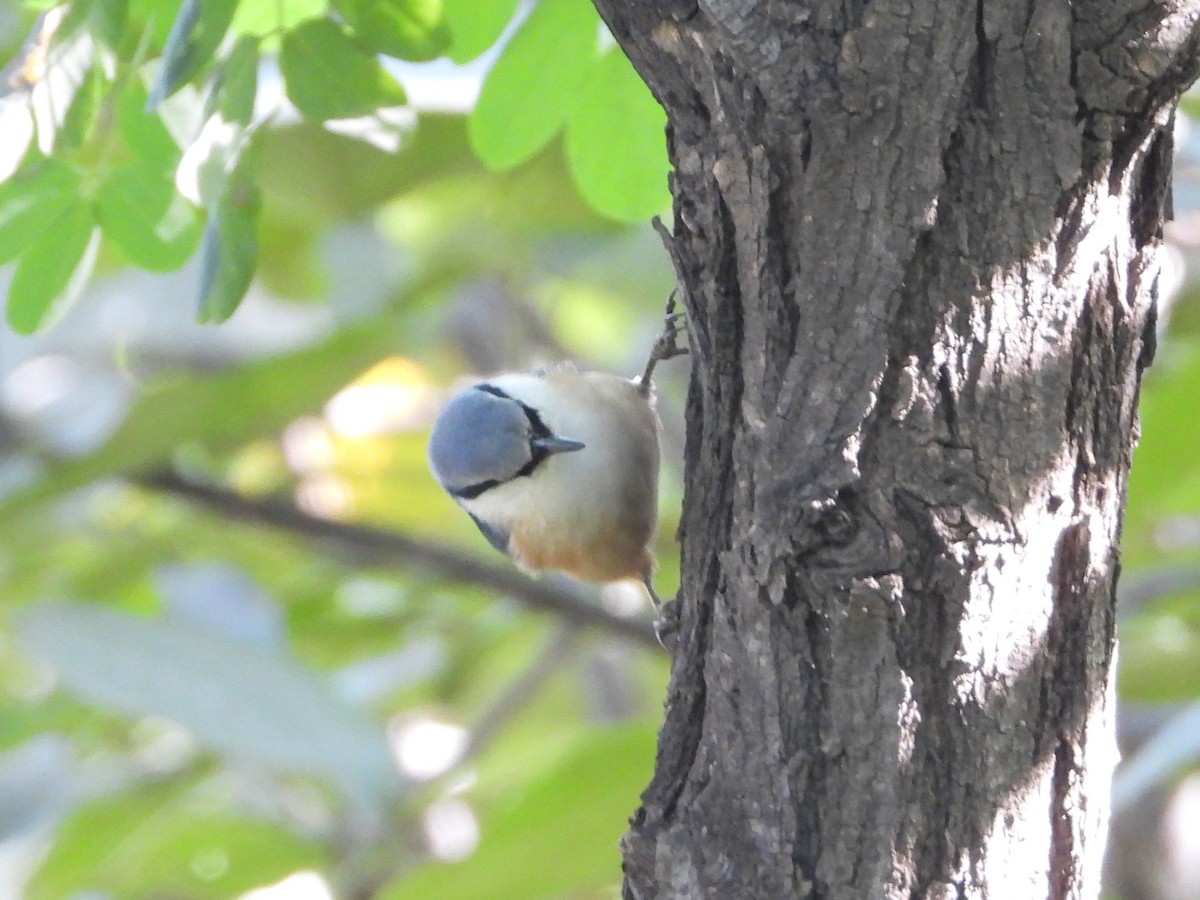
918,246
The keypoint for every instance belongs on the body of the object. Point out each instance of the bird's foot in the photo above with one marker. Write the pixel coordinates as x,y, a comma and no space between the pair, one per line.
667,345
666,616
666,623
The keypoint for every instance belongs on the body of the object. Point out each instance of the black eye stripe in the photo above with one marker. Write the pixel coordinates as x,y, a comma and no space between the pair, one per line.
493,390
471,491
537,453
536,425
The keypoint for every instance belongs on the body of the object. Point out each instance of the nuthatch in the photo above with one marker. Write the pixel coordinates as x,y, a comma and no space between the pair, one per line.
559,468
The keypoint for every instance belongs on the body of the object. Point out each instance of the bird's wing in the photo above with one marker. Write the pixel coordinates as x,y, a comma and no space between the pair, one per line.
496,537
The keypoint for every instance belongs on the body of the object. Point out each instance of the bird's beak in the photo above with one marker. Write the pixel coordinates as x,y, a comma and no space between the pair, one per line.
555,444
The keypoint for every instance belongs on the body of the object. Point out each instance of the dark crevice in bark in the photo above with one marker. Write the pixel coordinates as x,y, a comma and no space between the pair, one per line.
1149,336
1070,215
681,10
1062,715
1079,358
1153,118
1062,845
980,78
816,637
837,526
948,405
1082,113
1125,149
908,341
1151,205
805,145
725,312
778,281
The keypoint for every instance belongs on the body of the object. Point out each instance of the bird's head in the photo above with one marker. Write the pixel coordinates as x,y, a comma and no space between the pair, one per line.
485,437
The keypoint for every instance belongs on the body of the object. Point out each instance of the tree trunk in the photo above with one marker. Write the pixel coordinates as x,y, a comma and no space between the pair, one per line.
918,244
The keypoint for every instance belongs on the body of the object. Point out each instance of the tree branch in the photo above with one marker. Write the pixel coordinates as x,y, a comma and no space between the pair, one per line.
382,547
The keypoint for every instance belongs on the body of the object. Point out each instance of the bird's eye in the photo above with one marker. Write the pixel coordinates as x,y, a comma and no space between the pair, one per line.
536,425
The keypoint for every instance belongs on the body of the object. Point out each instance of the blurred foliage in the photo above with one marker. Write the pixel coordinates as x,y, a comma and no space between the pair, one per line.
192,705
196,706
116,125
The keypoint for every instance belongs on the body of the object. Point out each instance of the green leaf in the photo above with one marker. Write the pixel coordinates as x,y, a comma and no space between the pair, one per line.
268,20
196,33
475,25
106,19
144,133
329,77
616,143
229,252
31,200
346,179
204,172
56,31
209,163
251,702
51,273
140,211
149,22
290,260
237,82
69,51
536,80
145,841
81,114
406,29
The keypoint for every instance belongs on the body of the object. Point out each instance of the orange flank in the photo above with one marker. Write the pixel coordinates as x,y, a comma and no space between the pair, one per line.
614,557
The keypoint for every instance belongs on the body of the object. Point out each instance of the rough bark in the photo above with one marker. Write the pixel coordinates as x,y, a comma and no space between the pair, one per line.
917,240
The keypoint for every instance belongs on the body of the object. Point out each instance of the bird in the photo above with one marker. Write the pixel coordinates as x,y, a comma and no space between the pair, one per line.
558,467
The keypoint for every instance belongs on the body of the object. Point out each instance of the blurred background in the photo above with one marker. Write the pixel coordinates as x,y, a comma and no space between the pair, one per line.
249,649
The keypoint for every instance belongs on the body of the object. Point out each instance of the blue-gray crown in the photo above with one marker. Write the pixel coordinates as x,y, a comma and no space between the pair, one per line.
482,437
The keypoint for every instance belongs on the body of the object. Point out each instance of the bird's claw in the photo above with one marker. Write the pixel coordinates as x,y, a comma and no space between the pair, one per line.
666,623
666,616
667,345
